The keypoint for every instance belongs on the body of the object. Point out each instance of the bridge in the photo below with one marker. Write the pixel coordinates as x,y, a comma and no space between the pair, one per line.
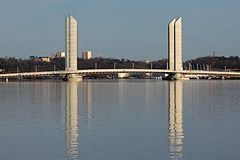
175,60
184,73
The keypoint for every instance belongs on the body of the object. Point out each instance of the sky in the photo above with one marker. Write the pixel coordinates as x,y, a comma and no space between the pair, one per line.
132,29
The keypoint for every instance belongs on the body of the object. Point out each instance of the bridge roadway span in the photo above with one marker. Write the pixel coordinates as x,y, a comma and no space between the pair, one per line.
114,71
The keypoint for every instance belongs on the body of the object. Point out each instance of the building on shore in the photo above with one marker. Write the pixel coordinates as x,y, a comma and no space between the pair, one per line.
60,55
41,59
87,55
44,59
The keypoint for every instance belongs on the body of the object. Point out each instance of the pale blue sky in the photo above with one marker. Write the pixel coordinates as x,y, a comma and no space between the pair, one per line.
134,29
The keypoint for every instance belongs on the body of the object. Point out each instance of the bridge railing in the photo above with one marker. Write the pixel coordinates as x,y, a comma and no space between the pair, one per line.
115,71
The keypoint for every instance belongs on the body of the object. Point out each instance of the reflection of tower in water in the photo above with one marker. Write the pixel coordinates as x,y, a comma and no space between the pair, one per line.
72,120
175,119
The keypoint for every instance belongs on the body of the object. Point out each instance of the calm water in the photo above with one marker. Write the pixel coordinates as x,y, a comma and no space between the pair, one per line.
120,120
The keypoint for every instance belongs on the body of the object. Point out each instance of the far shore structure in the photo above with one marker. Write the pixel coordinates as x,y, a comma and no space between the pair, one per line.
87,55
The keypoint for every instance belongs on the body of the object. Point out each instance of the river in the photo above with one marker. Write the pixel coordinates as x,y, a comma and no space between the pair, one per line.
120,120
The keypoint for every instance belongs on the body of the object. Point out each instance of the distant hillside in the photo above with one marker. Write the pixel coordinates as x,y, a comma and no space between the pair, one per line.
216,63
12,64
26,65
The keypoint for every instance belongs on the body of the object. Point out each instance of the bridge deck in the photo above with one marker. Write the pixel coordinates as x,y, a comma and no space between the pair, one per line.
114,71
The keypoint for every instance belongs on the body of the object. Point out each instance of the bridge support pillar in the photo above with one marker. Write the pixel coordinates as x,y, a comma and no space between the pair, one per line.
73,77
179,76
175,76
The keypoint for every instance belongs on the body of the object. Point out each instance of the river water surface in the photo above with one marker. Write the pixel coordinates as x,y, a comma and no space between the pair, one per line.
120,120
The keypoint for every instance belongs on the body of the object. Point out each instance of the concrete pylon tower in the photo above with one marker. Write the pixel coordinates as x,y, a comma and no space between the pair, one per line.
175,61
178,45
71,46
171,44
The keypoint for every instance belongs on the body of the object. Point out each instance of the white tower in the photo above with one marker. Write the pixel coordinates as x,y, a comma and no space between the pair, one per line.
178,45
171,44
71,46
175,61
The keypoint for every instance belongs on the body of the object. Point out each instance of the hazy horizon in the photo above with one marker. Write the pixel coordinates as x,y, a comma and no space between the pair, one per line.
135,29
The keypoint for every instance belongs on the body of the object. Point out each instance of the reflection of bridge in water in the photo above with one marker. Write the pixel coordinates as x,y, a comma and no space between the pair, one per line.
71,120
175,119
71,116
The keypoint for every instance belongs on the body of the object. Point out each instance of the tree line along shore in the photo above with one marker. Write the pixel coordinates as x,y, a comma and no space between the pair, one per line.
13,65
